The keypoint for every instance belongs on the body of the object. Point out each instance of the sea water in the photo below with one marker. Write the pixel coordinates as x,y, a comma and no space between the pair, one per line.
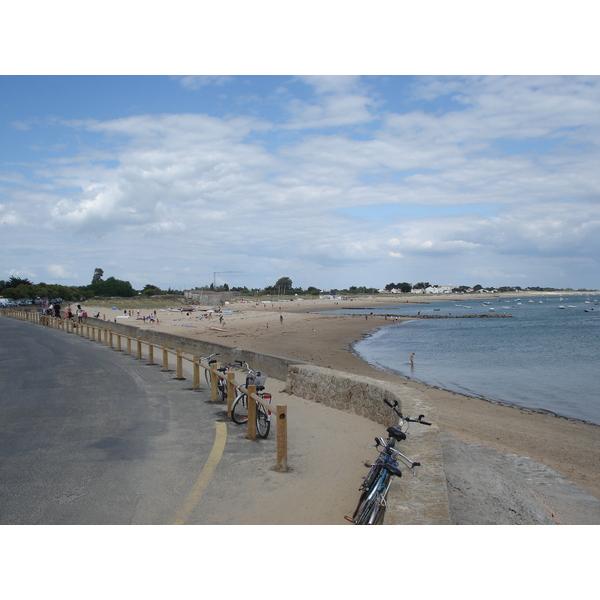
541,356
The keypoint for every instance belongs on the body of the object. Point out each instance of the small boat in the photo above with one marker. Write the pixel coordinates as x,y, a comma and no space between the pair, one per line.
561,306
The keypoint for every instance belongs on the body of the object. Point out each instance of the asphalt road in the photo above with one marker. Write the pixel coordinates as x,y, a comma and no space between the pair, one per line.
90,436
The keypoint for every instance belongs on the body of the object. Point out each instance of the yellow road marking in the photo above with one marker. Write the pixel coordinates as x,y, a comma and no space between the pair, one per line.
203,479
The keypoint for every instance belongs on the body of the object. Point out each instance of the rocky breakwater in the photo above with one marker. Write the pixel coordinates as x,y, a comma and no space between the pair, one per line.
490,316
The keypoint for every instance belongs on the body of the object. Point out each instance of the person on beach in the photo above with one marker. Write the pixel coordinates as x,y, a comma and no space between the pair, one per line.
281,319
412,358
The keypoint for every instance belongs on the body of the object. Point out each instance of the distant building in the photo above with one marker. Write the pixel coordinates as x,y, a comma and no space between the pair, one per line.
208,297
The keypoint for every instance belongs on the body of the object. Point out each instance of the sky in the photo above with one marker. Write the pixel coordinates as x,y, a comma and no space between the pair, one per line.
245,176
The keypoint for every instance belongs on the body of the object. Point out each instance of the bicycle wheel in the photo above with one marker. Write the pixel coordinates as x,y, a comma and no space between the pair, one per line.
370,501
239,409
222,389
366,488
263,421
378,518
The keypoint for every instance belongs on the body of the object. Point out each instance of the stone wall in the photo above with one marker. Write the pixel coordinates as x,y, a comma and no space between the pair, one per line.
353,393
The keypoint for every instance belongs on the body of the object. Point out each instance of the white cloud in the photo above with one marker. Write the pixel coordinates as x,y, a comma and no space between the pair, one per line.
270,196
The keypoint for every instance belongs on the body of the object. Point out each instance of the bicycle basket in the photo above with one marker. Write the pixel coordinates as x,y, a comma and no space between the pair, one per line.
258,378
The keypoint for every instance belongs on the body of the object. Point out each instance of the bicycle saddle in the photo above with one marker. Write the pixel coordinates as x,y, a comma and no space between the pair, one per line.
393,470
396,433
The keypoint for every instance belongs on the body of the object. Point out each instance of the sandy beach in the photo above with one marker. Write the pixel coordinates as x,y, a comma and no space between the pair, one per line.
290,329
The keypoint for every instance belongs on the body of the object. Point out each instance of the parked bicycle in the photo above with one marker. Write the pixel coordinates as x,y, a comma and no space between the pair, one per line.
221,376
210,363
239,408
371,505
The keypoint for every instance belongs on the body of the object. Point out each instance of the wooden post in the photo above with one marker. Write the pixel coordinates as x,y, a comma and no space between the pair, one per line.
118,341
251,389
230,392
165,358
281,417
150,353
105,336
179,366
87,331
214,392
110,338
128,351
195,360
139,348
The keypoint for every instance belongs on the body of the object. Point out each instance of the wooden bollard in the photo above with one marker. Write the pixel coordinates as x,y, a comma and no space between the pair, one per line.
251,389
128,351
139,348
118,341
150,353
281,418
179,366
110,338
105,337
87,331
196,364
165,358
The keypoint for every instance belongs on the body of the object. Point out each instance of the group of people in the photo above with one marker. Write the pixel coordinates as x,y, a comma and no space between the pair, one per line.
54,310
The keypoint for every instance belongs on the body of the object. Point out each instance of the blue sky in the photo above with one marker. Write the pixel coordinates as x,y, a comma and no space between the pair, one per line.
331,180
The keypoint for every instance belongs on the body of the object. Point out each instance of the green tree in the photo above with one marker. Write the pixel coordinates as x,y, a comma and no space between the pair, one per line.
113,287
98,274
14,282
151,290
283,284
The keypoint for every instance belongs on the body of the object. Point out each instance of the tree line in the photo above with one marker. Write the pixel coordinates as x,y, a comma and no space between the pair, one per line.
18,288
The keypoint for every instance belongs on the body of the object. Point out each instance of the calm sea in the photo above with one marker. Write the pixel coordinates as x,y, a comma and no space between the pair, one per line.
544,358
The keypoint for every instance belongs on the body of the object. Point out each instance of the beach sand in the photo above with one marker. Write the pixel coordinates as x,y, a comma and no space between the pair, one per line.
289,329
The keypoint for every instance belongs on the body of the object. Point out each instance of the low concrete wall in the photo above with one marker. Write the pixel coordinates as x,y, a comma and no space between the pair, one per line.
273,366
353,393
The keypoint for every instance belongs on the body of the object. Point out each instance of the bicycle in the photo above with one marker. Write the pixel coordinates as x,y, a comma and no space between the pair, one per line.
239,408
371,505
210,362
221,379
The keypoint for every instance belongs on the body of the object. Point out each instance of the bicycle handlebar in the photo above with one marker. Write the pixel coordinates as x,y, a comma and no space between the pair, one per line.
394,407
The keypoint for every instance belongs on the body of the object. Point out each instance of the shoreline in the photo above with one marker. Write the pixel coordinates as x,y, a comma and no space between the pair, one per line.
289,329
474,396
